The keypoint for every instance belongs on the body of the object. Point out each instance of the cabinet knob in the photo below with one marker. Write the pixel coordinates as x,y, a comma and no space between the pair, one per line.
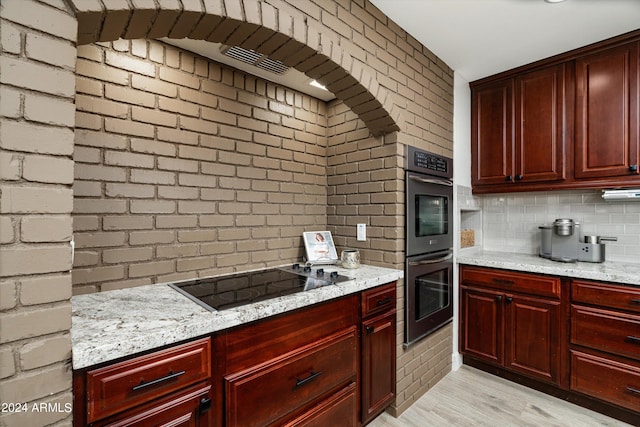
519,177
508,178
633,168
508,300
498,298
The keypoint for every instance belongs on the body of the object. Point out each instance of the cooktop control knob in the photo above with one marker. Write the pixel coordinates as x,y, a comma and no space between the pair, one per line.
320,272
334,274
296,266
306,269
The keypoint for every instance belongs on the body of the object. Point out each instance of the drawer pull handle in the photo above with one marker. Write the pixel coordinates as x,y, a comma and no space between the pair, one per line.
633,340
313,376
633,390
144,384
205,405
383,301
635,301
504,282
370,329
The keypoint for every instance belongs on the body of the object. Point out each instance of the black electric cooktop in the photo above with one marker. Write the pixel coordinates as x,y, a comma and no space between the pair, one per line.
219,293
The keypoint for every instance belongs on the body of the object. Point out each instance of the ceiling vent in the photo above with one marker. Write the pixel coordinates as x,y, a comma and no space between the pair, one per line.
256,59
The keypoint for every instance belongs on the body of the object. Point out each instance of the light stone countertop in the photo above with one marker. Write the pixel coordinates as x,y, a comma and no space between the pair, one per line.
608,271
110,325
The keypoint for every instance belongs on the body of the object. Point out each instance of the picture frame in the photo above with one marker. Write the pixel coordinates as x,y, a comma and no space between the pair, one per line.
319,247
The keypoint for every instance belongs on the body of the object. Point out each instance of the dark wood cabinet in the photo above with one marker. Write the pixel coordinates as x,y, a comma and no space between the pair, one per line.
331,363
570,121
511,329
170,386
605,342
607,140
281,369
378,365
492,133
378,333
518,129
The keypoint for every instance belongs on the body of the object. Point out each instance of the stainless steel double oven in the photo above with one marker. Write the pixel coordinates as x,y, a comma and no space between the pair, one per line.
429,243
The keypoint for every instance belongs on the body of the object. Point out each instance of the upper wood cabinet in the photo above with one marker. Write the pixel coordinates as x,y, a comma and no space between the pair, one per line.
518,128
571,121
606,142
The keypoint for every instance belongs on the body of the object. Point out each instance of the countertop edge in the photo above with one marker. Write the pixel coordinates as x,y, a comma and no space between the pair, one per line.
609,271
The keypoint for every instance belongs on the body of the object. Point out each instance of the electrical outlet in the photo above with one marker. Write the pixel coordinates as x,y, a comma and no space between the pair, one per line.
362,232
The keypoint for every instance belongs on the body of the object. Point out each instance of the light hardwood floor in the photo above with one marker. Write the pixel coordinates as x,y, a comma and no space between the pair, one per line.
469,397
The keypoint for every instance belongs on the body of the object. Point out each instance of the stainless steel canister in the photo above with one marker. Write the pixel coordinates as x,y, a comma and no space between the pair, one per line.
563,226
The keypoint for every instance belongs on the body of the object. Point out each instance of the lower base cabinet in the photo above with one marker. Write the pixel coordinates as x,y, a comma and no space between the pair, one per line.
575,339
512,320
378,332
605,343
328,364
276,388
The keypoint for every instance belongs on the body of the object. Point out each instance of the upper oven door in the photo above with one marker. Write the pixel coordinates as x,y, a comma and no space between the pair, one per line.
429,215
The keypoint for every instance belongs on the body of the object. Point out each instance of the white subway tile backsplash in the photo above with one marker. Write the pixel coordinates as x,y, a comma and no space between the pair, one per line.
510,221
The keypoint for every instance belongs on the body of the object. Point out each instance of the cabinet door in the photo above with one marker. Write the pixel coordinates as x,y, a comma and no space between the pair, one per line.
378,364
532,340
606,143
492,133
481,324
539,125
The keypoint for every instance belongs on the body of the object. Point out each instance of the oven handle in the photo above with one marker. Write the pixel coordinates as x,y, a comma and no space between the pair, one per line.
431,180
431,261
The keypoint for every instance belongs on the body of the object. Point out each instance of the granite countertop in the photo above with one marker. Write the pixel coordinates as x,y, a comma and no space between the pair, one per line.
608,271
110,325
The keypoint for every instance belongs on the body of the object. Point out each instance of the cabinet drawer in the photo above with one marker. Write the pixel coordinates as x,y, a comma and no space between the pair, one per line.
378,299
123,385
602,294
512,282
605,330
283,385
339,410
605,379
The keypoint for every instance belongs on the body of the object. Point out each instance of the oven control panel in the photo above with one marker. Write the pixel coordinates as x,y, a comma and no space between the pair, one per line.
429,163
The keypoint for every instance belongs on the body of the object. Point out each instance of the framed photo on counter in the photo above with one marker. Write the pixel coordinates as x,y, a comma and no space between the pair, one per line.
319,247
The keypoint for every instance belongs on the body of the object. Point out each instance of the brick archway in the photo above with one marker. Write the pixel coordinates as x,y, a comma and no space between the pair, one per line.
284,35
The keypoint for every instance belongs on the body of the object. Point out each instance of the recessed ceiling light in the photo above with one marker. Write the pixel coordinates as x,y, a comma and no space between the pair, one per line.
554,1
316,84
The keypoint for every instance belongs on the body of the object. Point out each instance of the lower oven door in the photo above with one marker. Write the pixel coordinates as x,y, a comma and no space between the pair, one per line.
428,294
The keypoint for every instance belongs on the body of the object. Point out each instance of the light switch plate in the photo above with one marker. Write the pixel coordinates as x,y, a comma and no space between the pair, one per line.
362,232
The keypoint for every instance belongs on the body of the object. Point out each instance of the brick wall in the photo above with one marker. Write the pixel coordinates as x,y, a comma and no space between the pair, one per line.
37,62
187,168
388,84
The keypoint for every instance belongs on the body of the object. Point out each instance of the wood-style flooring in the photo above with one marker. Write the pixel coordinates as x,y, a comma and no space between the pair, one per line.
469,397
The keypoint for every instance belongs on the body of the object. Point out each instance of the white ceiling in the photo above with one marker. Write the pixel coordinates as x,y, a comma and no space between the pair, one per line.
478,38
